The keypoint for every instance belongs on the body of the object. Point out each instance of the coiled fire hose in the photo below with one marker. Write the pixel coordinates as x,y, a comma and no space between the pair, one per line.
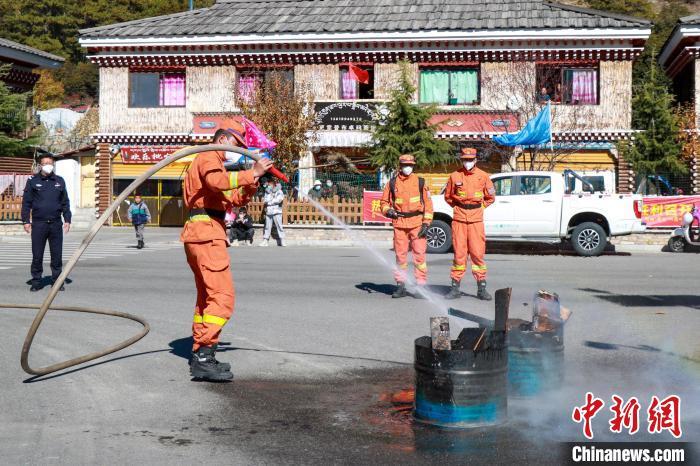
46,305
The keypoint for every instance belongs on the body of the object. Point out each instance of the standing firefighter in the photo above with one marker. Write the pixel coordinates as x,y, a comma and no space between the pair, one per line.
406,201
469,191
209,191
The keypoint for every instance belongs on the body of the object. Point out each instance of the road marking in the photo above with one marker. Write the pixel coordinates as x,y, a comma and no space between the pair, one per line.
18,253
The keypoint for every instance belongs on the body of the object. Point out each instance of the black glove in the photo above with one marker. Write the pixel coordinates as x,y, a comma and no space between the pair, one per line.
423,231
391,213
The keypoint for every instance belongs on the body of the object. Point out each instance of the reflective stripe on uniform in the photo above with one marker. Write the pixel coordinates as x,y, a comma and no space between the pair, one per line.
478,194
199,218
428,216
398,201
233,179
459,267
228,193
385,209
209,319
422,266
477,268
414,199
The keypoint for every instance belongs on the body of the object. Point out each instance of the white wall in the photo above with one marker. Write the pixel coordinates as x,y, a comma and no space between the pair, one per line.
69,170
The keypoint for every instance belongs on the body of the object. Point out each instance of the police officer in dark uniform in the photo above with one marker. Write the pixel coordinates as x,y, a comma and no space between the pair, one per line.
46,198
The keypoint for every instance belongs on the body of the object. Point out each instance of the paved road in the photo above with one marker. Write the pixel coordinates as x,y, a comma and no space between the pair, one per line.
316,345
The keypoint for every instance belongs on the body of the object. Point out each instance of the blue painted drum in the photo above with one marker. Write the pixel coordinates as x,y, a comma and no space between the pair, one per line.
535,362
461,388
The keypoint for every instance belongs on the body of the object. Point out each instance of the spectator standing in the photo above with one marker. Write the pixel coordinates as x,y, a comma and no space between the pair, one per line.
315,192
44,201
274,197
328,190
139,215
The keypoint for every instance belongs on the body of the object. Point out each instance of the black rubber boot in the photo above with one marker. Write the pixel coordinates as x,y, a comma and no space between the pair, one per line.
139,245
400,291
204,365
481,292
454,292
222,365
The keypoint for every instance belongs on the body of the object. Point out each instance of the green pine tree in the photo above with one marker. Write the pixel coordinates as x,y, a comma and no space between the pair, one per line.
406,130
13,119
656,148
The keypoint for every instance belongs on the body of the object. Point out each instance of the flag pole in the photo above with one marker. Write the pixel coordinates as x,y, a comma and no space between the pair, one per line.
551,123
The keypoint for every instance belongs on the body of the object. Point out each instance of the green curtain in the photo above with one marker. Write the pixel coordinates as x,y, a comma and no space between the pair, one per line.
434,87
465,87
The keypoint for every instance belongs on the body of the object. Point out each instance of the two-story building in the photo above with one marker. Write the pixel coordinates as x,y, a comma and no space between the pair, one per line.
680,58
163,79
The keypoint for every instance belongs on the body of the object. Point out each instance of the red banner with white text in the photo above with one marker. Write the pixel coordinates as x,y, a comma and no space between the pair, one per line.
667,211
371,208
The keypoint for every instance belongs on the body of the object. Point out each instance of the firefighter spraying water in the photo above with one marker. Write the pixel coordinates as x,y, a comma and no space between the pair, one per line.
209,192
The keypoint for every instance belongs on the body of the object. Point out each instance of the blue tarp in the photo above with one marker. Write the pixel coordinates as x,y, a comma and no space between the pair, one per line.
536,131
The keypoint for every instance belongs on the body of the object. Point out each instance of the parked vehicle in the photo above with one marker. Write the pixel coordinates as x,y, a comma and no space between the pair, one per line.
688,233
537,206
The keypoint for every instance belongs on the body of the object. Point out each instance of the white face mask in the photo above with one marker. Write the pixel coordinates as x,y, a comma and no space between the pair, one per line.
48,169
407,170
469,165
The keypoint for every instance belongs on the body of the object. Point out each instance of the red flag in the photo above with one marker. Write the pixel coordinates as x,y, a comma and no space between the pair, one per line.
358,74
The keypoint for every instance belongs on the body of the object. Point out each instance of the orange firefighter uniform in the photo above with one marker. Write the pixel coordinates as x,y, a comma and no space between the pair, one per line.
469,192
209,191
412,215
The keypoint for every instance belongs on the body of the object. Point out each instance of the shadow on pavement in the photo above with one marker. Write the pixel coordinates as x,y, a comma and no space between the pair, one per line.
614,346
691,301
386,289
47,281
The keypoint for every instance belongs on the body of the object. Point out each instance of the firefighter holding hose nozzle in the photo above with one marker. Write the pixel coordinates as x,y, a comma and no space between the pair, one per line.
406,200
209,191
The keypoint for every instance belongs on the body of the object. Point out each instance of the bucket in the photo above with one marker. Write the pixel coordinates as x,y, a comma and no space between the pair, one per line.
535,362
461,388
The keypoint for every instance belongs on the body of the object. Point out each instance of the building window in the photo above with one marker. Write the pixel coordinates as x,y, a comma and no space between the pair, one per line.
248,83
566,85
454,86
250,80
156,89
350,86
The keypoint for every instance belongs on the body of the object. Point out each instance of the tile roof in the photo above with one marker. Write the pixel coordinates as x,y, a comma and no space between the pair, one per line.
27,49
232,17
693,19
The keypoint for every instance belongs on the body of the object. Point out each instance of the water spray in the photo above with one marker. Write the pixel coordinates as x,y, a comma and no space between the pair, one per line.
72,262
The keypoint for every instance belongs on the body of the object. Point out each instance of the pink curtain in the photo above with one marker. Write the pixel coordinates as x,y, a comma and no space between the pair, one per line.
349,87
584,86
246,86
172,89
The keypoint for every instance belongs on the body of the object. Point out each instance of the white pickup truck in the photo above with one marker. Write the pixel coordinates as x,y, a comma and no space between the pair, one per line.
540,207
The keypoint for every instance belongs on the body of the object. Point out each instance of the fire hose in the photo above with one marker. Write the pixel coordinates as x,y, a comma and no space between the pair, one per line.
46,305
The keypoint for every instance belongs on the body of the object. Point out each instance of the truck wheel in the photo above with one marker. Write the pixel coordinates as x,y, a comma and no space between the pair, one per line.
439,237
676,244
589,239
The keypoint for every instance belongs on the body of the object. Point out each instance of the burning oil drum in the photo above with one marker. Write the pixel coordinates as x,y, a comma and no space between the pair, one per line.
536,348
464,386
535,362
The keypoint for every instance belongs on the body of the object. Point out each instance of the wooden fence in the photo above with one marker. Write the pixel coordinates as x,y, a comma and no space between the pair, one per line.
301,212
10,208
